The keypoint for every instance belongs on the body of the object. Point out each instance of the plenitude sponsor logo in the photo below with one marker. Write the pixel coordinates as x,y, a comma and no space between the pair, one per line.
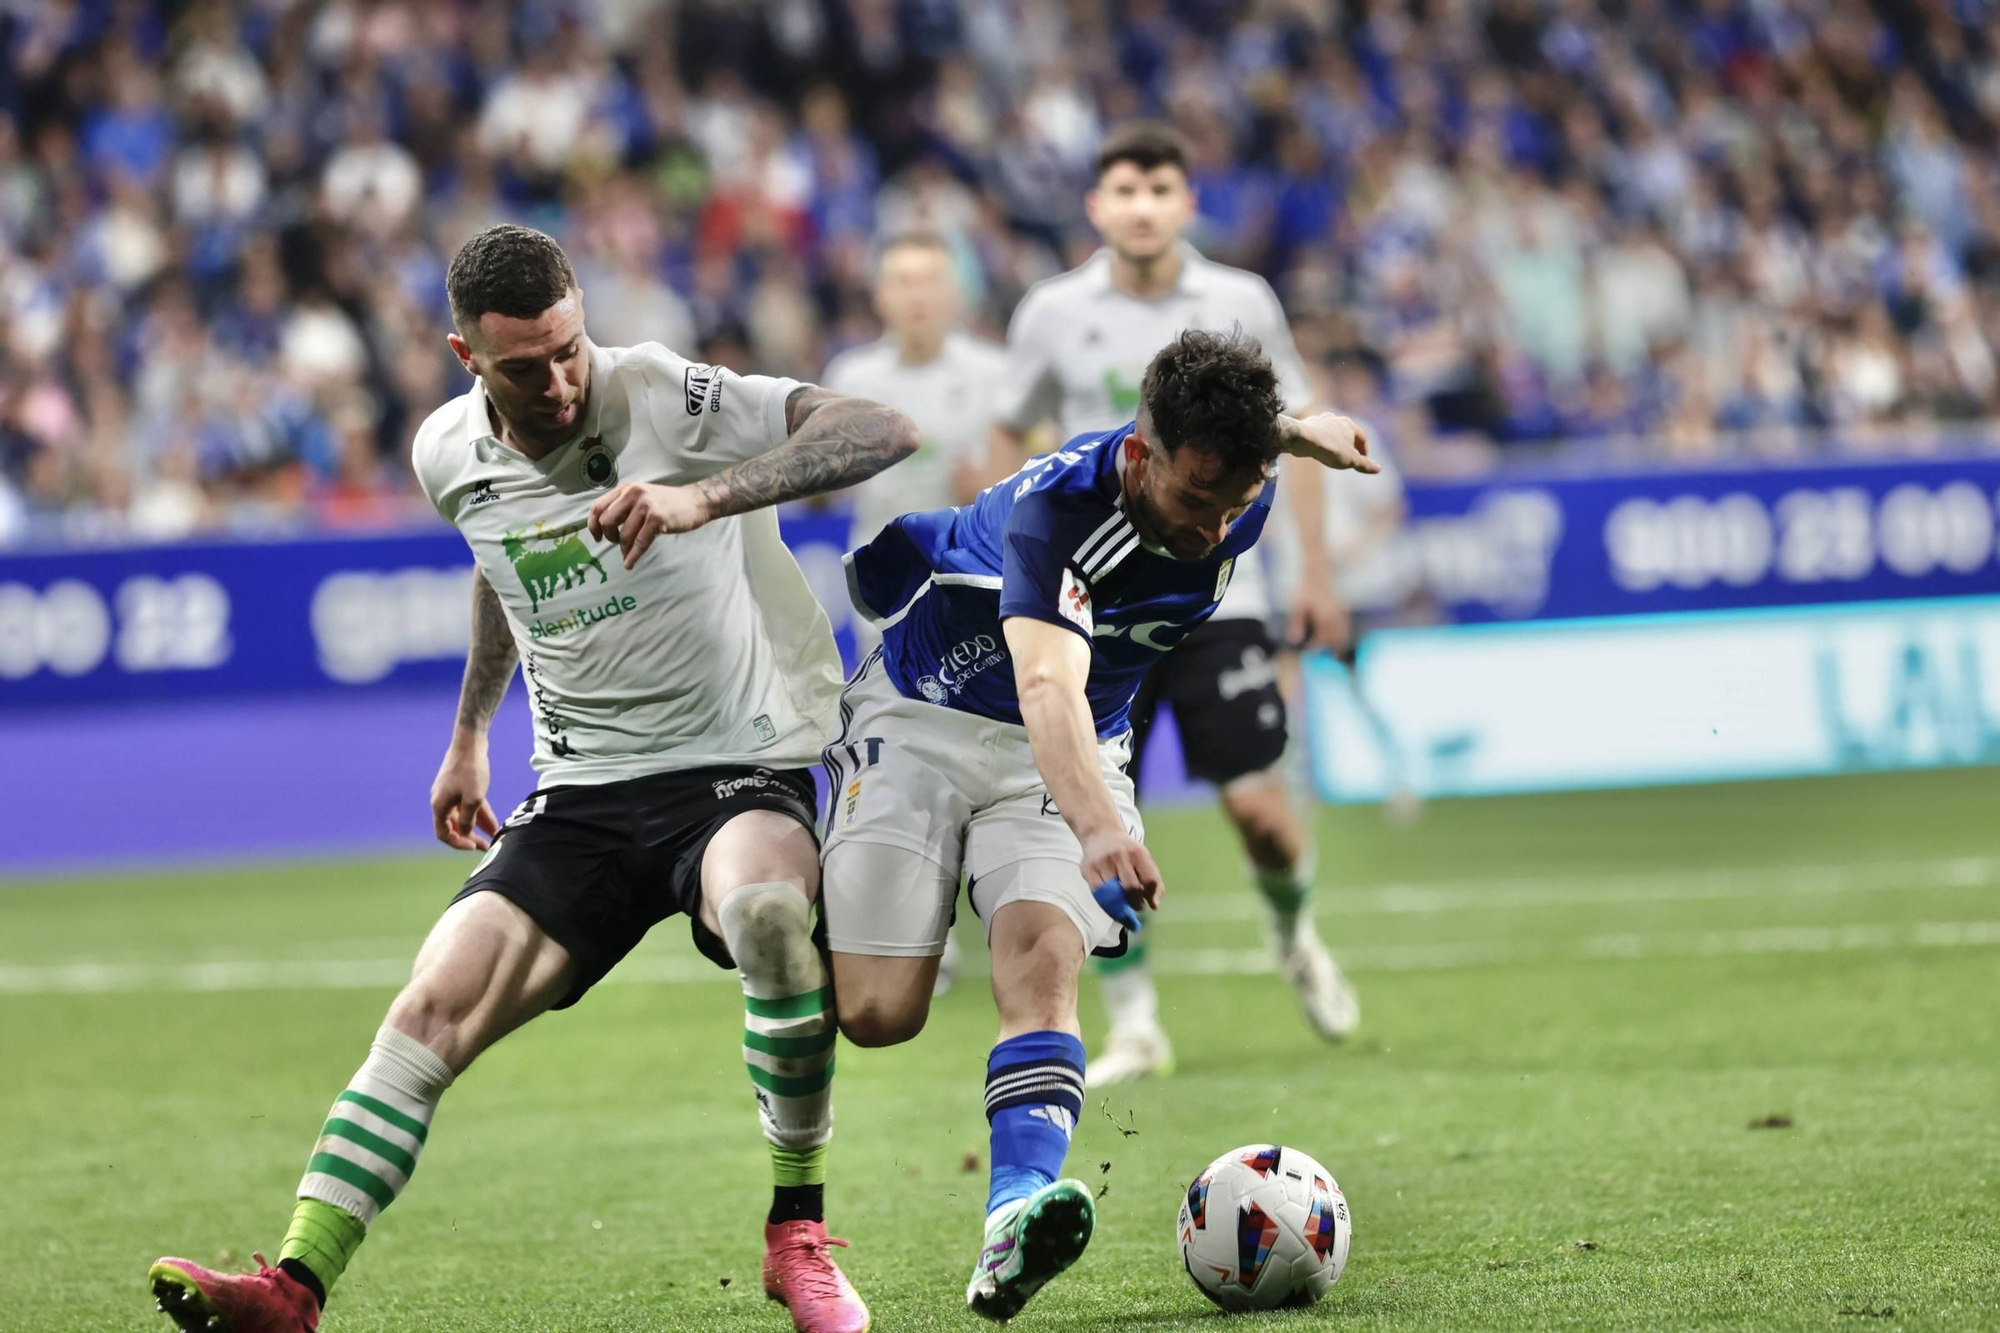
572,621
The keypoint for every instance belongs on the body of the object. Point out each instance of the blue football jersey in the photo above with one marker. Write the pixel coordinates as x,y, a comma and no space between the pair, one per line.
1052,543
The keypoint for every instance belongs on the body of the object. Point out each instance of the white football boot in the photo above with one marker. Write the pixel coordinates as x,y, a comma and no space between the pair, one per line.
1329,1002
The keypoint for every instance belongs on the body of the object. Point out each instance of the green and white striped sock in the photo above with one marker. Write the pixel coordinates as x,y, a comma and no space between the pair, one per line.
367,1151
788,1036
1288,893
788,1046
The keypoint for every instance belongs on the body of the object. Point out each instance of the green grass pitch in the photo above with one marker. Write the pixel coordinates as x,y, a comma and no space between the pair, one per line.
1576,1012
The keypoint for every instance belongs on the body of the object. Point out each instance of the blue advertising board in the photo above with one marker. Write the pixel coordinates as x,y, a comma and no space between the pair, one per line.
1548,547
207,619
337,614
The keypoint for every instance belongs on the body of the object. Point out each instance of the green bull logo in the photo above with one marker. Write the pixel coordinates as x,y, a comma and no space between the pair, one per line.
1124,397
551,560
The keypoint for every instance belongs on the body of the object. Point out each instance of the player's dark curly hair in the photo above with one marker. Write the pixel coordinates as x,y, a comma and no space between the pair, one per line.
507,270
1146,144
1215,392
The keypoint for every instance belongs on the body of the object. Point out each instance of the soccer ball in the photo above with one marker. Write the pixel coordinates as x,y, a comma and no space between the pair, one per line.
1264,1227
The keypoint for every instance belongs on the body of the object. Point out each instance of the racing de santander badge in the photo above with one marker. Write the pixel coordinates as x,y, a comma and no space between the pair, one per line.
599,469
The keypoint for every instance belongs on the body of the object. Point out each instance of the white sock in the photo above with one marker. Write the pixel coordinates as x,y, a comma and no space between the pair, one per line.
788,1024
1131,998
368,1150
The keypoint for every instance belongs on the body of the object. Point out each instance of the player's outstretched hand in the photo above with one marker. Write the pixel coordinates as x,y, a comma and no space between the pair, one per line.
1116,854
1329,439
460,816
635,513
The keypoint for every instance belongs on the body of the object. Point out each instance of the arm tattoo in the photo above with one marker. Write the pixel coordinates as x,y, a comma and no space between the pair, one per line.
489,662
835,441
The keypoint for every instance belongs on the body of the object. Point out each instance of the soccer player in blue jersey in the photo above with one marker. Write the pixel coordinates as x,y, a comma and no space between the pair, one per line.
989,735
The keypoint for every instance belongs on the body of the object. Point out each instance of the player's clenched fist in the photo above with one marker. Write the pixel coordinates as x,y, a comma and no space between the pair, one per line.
635,513
1116,854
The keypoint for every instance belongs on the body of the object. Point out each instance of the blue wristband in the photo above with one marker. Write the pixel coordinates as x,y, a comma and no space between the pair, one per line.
1110,896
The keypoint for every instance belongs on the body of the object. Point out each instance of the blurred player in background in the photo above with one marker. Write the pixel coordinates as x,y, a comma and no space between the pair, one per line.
928,368
944,379
988,737
682,679
1363,518
1078,344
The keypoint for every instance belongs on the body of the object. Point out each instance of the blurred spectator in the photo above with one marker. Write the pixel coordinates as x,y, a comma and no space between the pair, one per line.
1693,227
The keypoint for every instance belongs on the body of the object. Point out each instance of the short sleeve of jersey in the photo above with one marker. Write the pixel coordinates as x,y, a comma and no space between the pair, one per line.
1275,333
735,417
428,460
1038,577
1028,391
751,419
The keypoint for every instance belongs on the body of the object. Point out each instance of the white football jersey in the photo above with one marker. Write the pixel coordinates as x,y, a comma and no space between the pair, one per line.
713,650
1078,347
950,397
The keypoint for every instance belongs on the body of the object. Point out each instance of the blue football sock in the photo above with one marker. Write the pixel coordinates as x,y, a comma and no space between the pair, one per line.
1034,1093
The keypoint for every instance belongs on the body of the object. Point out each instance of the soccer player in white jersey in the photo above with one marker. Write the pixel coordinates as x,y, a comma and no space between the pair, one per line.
929,368
1078,343
944,378
681,678
988,736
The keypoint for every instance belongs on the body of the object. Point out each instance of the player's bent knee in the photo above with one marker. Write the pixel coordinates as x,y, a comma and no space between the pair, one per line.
881,1000
870,1023
768,928
436,1012
486,968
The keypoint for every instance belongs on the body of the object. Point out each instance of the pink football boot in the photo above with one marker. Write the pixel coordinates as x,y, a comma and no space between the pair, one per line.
800,1274
200,1300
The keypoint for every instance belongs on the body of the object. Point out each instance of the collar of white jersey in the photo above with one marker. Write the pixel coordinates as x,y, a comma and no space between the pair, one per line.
1192,261
479,421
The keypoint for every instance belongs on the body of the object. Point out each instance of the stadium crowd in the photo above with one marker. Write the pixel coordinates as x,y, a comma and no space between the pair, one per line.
1658,227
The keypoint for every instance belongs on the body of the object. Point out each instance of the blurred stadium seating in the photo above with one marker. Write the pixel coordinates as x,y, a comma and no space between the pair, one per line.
1661,307
1685,229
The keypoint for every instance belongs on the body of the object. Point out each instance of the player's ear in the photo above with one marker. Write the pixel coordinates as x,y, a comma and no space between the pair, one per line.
460,349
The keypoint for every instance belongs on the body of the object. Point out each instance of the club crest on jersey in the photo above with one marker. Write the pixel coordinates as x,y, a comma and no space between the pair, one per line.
599,468
704,389
1222,577
1073,601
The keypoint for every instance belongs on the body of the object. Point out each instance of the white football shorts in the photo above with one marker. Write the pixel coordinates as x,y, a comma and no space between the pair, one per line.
962,793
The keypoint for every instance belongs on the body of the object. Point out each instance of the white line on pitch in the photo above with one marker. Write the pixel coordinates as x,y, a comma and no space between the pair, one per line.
381,973
1571,889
